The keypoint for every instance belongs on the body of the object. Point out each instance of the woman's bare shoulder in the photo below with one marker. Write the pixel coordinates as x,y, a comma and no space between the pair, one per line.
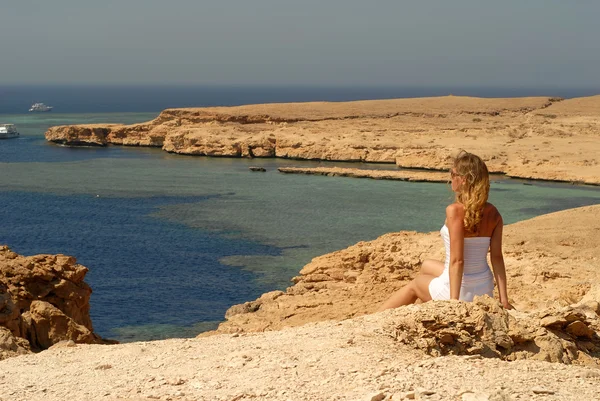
455,210
455,207
492,213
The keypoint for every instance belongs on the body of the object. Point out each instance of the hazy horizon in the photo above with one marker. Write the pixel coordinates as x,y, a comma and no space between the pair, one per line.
338,43
267,85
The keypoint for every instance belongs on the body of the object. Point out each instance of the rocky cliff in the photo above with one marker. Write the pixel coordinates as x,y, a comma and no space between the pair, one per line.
540,138
43,301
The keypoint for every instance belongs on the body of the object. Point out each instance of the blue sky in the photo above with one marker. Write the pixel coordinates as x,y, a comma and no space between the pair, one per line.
533,43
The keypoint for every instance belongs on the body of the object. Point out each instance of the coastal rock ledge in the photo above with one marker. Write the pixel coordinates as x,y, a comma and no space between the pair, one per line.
43,301
534,138
552,261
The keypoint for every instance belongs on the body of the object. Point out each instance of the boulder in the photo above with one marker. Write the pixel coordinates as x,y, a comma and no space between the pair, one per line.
43,300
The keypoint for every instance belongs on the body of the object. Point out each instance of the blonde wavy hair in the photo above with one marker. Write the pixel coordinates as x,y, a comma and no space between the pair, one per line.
475,188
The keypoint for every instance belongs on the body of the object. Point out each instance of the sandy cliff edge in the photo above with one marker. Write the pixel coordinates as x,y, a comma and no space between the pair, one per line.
551,259
536,138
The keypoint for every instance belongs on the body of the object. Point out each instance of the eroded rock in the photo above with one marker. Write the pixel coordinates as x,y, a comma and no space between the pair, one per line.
43,300
483,327
411,133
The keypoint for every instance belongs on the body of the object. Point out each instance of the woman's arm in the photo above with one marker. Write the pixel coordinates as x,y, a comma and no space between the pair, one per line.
498,263
455,214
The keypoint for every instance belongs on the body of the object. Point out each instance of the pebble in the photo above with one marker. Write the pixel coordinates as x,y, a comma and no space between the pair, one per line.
422,391
376,397
176,381
541,390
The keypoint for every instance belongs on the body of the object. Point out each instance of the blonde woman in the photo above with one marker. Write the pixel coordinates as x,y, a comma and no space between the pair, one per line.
472,227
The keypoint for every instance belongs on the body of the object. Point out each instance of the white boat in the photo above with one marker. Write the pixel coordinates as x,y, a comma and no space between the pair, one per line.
8,131
40,107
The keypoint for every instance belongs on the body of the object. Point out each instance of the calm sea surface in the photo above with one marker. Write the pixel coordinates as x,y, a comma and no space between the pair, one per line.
172,241
97,99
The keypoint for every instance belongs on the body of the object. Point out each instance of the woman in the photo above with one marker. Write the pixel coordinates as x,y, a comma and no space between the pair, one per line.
472,227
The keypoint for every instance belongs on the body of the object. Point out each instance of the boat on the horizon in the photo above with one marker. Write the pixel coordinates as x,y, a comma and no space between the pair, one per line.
8,131
40,107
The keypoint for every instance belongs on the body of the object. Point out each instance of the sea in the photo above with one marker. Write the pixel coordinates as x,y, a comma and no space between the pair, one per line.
170,241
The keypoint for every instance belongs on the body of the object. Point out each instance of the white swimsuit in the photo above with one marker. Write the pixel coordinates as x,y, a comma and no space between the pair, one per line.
477,276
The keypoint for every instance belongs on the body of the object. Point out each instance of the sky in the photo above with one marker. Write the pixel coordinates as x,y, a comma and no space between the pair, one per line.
515,43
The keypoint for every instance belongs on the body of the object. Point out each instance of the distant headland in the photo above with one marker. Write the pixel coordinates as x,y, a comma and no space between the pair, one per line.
540,138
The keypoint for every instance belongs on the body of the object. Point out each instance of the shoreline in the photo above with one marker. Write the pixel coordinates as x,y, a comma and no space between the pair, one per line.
530,138
372,174
410,175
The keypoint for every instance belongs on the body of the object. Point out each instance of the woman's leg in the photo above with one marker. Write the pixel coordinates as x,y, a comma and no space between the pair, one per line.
416,289
432,267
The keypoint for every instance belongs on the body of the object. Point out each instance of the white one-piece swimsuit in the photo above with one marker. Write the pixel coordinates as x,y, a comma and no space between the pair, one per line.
477,276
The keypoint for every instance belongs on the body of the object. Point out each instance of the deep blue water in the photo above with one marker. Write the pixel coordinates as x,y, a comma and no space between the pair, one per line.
144,271
101,99
40,151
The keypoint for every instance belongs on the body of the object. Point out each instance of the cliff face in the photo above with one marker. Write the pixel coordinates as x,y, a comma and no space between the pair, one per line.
102,135
43,300
540,138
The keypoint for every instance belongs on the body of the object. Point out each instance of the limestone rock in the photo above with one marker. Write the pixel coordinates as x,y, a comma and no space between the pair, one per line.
79,135
411,133
11,345
483,327
43,300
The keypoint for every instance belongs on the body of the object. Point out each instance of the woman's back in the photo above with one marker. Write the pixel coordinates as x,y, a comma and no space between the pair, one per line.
474,256
489,222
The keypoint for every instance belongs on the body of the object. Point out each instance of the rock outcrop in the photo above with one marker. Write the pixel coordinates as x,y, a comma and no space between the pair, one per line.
547,266
43,301
482,327
402,175
538,138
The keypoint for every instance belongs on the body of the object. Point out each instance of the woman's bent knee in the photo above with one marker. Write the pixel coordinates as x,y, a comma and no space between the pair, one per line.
432,267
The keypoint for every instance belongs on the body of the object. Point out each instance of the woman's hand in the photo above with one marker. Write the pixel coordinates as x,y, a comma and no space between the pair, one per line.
507,305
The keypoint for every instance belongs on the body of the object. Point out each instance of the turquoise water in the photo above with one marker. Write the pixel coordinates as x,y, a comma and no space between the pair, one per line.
172,241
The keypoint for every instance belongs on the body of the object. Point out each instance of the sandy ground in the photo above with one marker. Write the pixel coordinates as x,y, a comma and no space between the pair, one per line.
348,360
